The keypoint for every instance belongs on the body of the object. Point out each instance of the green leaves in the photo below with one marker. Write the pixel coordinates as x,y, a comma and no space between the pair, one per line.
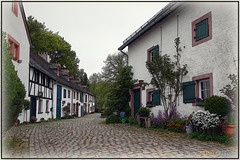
13,90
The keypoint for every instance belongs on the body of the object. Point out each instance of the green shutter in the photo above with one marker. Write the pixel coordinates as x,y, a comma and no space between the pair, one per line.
155,50
202,30
156,97
188,92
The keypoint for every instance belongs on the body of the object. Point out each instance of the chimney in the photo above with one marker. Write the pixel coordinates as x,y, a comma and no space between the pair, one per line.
45,56
72,79
56,68
65,73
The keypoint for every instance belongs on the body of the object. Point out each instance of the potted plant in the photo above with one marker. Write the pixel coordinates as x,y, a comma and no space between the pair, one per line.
143,113
189,126
229,126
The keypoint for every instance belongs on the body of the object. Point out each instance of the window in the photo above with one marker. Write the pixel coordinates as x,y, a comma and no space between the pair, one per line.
47,106
14,50
68,93
201,87
202,29
77,95
36,76
40,107
152,52
73,95
81,97
15,8
85,98
48,82
64,93
43,79
149,93
204,89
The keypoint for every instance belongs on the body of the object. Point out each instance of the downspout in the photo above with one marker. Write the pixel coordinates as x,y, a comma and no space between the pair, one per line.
125,55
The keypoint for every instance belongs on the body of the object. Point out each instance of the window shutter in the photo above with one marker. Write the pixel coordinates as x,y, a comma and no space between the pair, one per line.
155,50
156,97
188,92
202,30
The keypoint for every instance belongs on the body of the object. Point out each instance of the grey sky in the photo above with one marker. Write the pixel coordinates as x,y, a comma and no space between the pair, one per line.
94,29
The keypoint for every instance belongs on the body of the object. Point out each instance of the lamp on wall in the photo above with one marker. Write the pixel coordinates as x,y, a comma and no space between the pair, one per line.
142,84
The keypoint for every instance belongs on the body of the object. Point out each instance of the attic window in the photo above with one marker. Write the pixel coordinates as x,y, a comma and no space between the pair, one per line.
15,8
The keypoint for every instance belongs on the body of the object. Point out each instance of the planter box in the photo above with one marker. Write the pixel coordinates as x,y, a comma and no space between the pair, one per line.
200,103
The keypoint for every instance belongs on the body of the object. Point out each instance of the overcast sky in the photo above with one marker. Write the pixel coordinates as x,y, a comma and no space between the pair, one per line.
94,29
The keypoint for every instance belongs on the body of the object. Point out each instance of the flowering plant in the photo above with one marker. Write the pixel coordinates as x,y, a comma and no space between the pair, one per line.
200,99
205,119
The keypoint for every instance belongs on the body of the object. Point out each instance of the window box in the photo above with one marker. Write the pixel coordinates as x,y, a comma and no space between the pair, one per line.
200,102
149,104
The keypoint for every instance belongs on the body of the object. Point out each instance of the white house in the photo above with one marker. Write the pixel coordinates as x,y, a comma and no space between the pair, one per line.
209,42
15,25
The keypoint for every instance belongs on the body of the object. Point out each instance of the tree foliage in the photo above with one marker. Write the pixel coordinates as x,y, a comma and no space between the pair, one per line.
113,64
13,90
167,76
119,93
44,40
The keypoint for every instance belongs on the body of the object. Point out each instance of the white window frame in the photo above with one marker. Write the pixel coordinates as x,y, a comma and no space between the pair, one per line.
205,89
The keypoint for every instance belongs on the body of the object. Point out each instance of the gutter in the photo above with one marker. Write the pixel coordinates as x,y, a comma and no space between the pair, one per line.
125,55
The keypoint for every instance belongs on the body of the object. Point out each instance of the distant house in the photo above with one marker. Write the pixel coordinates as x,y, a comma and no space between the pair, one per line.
51,90
15,25
209,40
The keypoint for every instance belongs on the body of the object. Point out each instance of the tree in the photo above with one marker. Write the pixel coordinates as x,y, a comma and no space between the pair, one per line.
230,90
44,40
113,64
167,76
13,90
118,98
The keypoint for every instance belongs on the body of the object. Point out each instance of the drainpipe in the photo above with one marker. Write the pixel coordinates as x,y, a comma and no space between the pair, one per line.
125,55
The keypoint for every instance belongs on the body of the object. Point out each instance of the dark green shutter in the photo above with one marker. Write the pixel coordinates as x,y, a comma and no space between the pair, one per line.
156,97
202,30
155,50
189,92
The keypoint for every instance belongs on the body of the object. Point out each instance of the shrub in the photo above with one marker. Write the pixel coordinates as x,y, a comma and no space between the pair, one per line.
128,111
113,119
133,121
108,111
144,112
13,90
219,105
205,119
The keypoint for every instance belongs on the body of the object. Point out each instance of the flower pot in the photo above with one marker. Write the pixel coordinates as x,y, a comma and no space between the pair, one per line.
189,129
229,129
181,126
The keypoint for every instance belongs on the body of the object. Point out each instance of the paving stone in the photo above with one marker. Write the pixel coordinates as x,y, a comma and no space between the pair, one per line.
88,137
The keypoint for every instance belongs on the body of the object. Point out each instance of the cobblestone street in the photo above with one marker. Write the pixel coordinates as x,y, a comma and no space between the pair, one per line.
88,137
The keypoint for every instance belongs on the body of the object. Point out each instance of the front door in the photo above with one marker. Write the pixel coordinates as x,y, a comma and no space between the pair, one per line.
59,98
136,100
33,107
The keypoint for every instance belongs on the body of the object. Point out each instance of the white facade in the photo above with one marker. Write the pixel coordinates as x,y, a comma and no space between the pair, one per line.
15,27
217,56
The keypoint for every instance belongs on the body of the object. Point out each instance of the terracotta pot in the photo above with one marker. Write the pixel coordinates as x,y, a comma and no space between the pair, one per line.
229,129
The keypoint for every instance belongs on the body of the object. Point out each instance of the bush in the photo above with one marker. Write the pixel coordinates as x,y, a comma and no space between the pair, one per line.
113,119
128,111
219,105
108,111
133,121
13,91
143,112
